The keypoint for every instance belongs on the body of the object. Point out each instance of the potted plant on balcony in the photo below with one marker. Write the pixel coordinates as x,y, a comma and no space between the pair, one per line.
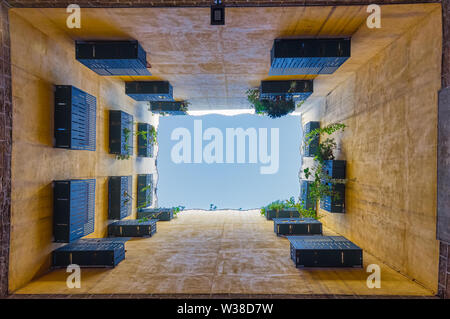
288,209
120,138
328,175
146,138
119,197
126,146
165,214
278,98
141,134
275,107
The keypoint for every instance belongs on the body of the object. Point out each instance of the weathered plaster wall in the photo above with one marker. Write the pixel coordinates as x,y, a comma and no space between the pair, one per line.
390,108
40,60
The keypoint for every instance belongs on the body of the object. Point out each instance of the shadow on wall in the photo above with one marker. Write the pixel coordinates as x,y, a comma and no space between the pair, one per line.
105,143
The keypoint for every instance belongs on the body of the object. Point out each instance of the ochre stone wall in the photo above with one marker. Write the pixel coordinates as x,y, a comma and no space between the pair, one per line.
390,108
39,61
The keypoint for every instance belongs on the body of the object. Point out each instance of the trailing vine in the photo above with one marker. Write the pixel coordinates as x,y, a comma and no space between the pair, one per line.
274,107
153,138
175,210
319,187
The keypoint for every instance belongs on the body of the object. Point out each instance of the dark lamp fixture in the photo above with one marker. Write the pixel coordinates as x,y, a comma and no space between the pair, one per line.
217,13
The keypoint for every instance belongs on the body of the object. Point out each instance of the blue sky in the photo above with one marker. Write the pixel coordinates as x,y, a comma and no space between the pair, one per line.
226,185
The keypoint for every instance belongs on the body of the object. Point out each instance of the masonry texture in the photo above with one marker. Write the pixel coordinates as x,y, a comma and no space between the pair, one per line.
445,43
5,147
201,3
443,221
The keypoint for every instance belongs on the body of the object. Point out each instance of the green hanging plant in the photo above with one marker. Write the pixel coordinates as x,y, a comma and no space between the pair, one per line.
175,209
253,98
290,203
320,188
126,131
152,133
148,199
127,134
329,129
277,107
185,106
128,198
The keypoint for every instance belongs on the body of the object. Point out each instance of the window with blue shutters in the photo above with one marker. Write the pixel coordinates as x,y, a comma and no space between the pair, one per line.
335,168
324,251
162,214
149,90
169,107
90,253
74,119
311,148
305,190
297,226
120,133
112,57
119,197
145,190
145,141
74,209
132,228
334,203
308,56
297,90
